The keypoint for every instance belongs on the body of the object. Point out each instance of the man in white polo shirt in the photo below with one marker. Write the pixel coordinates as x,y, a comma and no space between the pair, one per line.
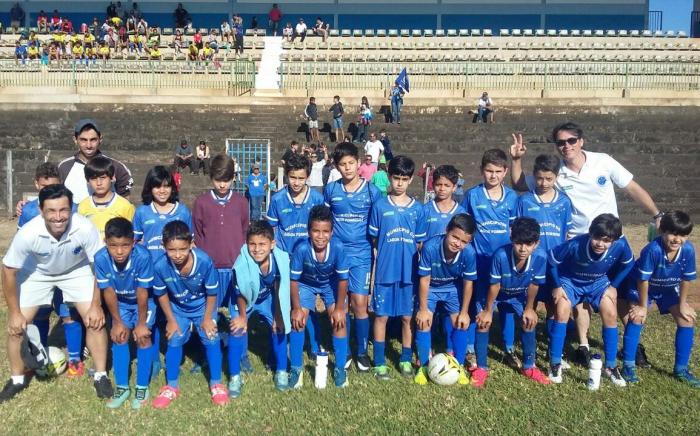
374,148
587,178
54,250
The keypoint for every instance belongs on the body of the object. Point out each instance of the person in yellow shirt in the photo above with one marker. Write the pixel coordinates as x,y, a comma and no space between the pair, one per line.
32,52
104,204
103,52
78,51
154,52
88,38
90,52
135,43
75,39
207,52
192,52
60,39
116,22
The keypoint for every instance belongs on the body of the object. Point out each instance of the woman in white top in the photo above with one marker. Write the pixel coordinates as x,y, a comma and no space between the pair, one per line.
315,179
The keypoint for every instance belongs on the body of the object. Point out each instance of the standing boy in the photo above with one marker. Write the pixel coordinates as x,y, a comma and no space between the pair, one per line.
319,268
186,285
311,114
447,273
578,269
262,287
492,204
124,273
517,271
350,200
397,225
104,204
256,183
662,275
337,111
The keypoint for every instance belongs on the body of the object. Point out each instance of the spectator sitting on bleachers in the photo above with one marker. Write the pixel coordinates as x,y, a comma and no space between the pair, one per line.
177,41
66,25
225,31
44,53
78,51
154,53
74,39
213,41
300,30
192,52
103,51
54,52
485,108
42,22
84,28
288,32
154,36
184,157
90,53
321,29
203,157
32,52
96,29
60,38
20,52
55,22
142,27
197,39
135,43
88,38
33,38
17,16
110,39
181,16
207,53
274,18
130,26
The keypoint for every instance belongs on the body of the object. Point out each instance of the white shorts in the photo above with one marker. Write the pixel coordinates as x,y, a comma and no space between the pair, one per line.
313,124
37,289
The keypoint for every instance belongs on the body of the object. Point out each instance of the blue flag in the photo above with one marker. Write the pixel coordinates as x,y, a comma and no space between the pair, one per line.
402,80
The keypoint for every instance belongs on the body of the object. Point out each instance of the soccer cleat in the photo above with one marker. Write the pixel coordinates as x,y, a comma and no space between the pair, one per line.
281,380
536,375
166,396
348,364
296,378
565,365
687,377
479,376
219,394
510,359
629,373
406,369
234,386
363,363
103,387
583,355
11,389
641,359
121,394
470,362
555,373
76,368
340,376
246,366
381,373
615,377
140,398
421,377
463,378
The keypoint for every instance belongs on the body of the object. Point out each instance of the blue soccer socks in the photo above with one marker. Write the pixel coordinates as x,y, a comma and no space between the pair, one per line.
312,328
630,342
279,349
529,340
423,340
507,322
556,342
236,348
74,340
144,361
296,348
379,357
481,343
684,345
459,342
173,357
610,346
214,357
362,335
121,357
340,347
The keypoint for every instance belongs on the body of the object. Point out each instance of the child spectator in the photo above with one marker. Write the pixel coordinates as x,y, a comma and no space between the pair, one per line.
288,32
380,179
311,115
337,111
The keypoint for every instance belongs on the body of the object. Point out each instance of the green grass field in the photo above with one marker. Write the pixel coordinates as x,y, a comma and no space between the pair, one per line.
509,404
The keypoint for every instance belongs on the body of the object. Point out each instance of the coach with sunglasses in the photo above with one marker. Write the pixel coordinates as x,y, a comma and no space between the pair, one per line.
587,178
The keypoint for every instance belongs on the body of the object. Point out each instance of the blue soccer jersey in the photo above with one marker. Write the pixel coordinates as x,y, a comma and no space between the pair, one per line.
351,212
576,261
256,185
492,216
398,229
31,210
444,275
514,283
663,274
554,217
188,294
138,273
315,273
149,223
291,219
437,220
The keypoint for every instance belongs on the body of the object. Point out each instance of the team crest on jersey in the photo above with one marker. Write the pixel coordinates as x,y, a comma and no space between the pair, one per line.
601,180
388,213
286,210
533,208
481,206
77,250
337,199
149,221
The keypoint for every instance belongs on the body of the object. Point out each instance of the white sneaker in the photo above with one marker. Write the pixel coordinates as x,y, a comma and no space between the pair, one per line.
555,374
565,365
615,377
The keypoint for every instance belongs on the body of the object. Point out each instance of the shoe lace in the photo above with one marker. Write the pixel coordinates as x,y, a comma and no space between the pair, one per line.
168,393
118,392
218,390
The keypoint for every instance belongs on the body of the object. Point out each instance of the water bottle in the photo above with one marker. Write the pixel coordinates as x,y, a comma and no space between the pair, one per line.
651,231
321,374
594,370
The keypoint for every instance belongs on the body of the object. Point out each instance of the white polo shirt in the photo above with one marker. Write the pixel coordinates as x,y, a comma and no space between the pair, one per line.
33,249
591,190
374,149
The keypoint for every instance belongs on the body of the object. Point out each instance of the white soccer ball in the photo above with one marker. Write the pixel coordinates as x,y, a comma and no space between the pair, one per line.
444,370
57,363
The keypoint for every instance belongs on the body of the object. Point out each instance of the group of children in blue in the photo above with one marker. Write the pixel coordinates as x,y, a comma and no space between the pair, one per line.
355,248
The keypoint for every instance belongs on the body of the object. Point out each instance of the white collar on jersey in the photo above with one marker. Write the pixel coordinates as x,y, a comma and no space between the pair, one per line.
515,263
410,203
306,196
170,212
442,253
328,253
553,200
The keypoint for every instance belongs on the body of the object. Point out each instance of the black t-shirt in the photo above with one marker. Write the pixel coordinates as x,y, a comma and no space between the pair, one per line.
287,154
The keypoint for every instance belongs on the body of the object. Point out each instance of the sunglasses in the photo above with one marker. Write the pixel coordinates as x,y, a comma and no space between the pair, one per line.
562,142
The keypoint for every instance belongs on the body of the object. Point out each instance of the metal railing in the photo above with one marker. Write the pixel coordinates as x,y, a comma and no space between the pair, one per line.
238,77
491,75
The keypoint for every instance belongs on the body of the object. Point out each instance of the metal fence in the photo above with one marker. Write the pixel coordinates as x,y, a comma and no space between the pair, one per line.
238,77
490,75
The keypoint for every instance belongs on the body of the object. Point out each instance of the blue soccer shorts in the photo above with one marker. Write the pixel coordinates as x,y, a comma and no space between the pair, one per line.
664,299
129,313
187,323
393,299
590,293
360,274
449,300
225,289
263,306
307,296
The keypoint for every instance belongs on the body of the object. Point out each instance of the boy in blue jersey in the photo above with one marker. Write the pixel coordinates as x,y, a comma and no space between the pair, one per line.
662,275
492,204
262,288
319,268
579,272
124,273
398,226
351,199
438,212
517,271
546,204
289,214
47,174
186,284
447,271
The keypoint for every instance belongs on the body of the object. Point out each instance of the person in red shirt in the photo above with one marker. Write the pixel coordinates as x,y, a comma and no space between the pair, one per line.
55,23
427,172
275,16
367,170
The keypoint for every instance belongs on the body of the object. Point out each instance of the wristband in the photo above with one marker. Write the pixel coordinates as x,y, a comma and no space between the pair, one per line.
658,215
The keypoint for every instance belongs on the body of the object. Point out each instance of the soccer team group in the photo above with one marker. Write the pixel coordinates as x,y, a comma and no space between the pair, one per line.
161,269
